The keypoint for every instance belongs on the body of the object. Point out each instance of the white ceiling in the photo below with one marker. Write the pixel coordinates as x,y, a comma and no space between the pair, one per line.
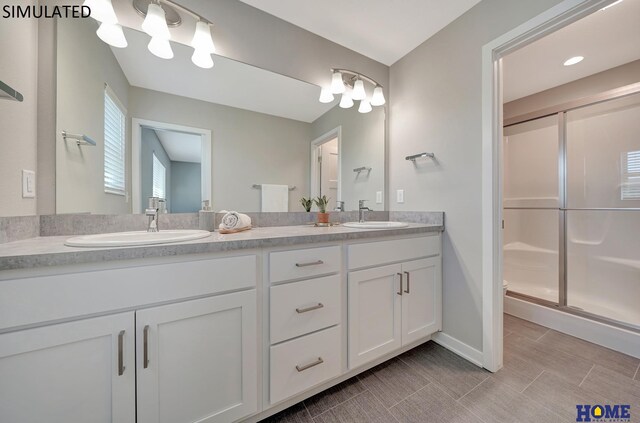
384,30
606,38
180,146
229,82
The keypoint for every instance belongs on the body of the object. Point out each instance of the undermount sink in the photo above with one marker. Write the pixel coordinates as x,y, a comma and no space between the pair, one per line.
375,225
127,239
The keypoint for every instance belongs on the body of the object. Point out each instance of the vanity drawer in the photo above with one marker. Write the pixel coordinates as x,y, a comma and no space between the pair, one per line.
302,307
300,264
383,252
304,362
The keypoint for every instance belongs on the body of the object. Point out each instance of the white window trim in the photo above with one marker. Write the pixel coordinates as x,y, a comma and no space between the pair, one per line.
154,163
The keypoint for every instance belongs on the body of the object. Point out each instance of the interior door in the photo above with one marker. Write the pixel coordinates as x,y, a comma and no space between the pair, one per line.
421,299
80,371
197,360
374,313
329,172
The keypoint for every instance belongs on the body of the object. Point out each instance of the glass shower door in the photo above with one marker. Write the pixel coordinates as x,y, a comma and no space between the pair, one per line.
603,209
531,209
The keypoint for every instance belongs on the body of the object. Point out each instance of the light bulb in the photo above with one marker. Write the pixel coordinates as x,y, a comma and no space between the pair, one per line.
102,11
160,47
202,59
365,107
155,23
358,90
202,38
325,95
378,97
346,101
337,85
573,60
112,34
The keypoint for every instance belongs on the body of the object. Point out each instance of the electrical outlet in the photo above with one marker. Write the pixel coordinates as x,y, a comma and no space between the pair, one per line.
28,184
400,196
378,197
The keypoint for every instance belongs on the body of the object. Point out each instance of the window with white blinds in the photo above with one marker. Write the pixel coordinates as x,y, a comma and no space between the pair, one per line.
631,175
159,178
114,144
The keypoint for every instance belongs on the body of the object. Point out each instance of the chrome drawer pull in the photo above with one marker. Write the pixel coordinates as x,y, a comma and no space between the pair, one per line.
308,366
312,263
311,308
400,291
121,353
408,290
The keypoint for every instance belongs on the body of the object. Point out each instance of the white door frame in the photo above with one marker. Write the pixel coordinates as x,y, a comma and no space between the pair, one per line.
136,142
545,23
328,136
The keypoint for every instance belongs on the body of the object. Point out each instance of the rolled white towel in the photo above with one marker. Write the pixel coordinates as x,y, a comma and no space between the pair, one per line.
235,220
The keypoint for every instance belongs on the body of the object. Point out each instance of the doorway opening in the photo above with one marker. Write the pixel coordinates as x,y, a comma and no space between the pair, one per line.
326,167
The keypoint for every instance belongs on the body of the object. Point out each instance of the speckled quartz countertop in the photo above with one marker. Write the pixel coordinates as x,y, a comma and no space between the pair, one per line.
51,251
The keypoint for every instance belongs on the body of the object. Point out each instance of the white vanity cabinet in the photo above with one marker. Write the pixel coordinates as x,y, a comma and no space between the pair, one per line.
197,360
81,371
392,305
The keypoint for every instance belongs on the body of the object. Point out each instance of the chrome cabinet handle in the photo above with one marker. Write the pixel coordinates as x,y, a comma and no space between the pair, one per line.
408,290
121,353
312,263
311,308
145,347
310,365
400,291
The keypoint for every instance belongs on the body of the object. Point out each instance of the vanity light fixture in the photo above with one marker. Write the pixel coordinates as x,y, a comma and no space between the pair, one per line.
573,60
351,85
159,16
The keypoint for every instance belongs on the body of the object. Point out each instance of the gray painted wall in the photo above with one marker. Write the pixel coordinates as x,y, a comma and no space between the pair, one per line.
186,187
149,145
246,146
619,76
436,106
362,145
18,69
80,110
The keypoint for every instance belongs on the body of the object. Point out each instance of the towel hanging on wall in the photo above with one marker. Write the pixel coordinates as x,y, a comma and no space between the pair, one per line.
275,198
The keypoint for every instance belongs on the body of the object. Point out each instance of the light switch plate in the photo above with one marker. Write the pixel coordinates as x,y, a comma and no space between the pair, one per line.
28,184
400,196
378,197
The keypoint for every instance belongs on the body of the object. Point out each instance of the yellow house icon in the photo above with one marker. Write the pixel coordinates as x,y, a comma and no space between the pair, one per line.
597,412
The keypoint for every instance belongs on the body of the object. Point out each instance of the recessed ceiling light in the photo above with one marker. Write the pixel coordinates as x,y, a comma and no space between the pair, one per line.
573,60
611,5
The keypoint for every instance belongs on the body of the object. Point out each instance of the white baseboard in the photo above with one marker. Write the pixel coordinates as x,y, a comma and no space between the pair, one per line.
460,348
615,338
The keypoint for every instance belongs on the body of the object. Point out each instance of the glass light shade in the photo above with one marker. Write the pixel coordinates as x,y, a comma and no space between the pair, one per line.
337,85
326,96
378,97
102,11
346,101
202,59
358,90
160,47
155,23
112,34
202,38
365,107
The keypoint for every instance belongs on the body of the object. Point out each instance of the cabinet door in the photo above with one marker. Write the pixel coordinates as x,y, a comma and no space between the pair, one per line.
421,299
197,360
374,313
80,371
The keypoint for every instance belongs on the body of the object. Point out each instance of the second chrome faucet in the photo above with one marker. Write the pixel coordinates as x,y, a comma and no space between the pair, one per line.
361,209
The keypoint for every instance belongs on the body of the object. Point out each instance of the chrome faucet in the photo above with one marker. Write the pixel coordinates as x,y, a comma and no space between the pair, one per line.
339,206
153,212
361,210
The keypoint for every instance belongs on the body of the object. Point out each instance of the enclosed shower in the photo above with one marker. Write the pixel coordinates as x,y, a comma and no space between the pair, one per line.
572,207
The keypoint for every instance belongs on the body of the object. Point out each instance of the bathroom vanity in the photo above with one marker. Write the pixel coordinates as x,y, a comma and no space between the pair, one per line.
222,329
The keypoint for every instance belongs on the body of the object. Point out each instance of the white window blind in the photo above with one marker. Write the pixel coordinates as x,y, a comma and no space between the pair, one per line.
114,144
631,175
159,178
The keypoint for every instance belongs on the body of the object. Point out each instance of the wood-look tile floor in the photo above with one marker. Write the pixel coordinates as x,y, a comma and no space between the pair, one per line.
545,374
